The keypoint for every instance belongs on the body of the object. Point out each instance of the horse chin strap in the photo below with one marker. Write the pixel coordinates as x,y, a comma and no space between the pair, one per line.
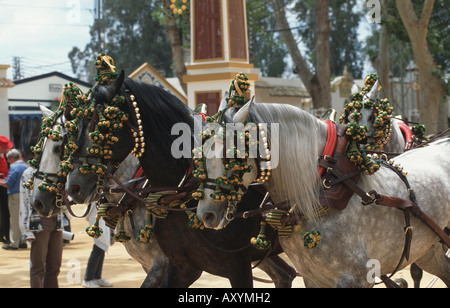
63,199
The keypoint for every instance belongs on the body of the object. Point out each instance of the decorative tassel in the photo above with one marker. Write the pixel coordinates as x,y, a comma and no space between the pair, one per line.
157,212
273,218
260,242
199,194
145,234
121,236
310,239
102,211
95,231
194,221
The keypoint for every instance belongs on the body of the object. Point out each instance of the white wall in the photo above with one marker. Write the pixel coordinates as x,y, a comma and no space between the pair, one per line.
4,121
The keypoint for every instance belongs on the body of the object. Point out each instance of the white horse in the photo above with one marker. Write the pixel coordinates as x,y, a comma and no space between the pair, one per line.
359,239
150,256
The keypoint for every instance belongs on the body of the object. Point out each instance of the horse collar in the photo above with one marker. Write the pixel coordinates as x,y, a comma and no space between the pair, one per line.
330,145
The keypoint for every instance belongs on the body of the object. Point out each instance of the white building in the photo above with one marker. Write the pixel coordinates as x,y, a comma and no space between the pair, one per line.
5,86
23,112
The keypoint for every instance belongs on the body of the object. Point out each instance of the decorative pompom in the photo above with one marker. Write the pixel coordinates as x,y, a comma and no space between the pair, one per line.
261,242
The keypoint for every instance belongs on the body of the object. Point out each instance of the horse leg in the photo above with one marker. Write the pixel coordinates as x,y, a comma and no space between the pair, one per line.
157,273
436,263
241,276
181,277
279,276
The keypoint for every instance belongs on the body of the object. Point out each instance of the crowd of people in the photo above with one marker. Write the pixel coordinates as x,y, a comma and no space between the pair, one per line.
20,225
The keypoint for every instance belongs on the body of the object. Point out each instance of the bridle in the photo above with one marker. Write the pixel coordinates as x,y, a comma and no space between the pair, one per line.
262,176
52,179
134,125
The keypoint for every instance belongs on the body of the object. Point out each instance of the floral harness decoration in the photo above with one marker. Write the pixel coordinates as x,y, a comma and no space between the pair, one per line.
357,133
382,125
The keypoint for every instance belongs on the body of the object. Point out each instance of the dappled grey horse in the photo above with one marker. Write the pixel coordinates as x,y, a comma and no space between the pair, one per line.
359,239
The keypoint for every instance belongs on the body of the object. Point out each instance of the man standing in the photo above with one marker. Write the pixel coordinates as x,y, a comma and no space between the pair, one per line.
16,169
45,235
5,146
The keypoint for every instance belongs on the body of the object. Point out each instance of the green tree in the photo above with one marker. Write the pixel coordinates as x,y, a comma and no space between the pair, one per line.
131,34
424,25
266,48
345,48
315,76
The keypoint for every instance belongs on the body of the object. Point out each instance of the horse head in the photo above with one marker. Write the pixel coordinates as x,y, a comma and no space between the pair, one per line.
45,178
221,186
84,180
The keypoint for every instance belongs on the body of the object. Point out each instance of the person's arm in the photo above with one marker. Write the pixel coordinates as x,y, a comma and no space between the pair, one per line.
13,177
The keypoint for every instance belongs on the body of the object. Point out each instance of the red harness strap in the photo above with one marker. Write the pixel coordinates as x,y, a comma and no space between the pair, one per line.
139,173
330,145
203,116
407,133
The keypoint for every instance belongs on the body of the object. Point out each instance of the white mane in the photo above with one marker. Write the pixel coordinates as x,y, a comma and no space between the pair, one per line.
295,178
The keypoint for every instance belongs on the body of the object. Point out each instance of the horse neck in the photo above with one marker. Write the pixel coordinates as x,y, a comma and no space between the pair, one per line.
396,142
159,111
160,167
159,164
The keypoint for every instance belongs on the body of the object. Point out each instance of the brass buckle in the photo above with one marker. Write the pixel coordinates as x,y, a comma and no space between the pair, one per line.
372,199
324,185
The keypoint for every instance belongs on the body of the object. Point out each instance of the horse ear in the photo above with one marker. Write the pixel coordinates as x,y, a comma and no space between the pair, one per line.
243,112
224,103
373,94
45,111
354,88
114,87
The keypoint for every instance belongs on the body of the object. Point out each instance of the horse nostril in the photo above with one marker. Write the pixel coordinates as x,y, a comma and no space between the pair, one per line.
38,205
75,188
209,217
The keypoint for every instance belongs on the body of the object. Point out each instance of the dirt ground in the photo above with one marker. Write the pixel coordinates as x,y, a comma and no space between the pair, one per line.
119,268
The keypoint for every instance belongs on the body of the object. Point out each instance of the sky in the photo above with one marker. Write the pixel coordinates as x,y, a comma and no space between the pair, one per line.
42,33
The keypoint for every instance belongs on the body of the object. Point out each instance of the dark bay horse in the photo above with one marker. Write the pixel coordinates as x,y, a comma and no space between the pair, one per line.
225,253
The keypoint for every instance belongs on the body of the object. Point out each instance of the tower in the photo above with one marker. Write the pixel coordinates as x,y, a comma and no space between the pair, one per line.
219,50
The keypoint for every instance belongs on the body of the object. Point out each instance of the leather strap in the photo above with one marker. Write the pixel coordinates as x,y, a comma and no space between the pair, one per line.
69,204
127,190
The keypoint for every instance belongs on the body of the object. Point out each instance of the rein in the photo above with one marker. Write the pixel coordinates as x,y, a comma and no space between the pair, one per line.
172,191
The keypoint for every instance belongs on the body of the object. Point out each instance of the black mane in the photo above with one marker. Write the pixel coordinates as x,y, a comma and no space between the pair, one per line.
159,111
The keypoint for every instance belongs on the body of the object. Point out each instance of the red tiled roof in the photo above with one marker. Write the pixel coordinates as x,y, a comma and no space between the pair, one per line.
6,83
